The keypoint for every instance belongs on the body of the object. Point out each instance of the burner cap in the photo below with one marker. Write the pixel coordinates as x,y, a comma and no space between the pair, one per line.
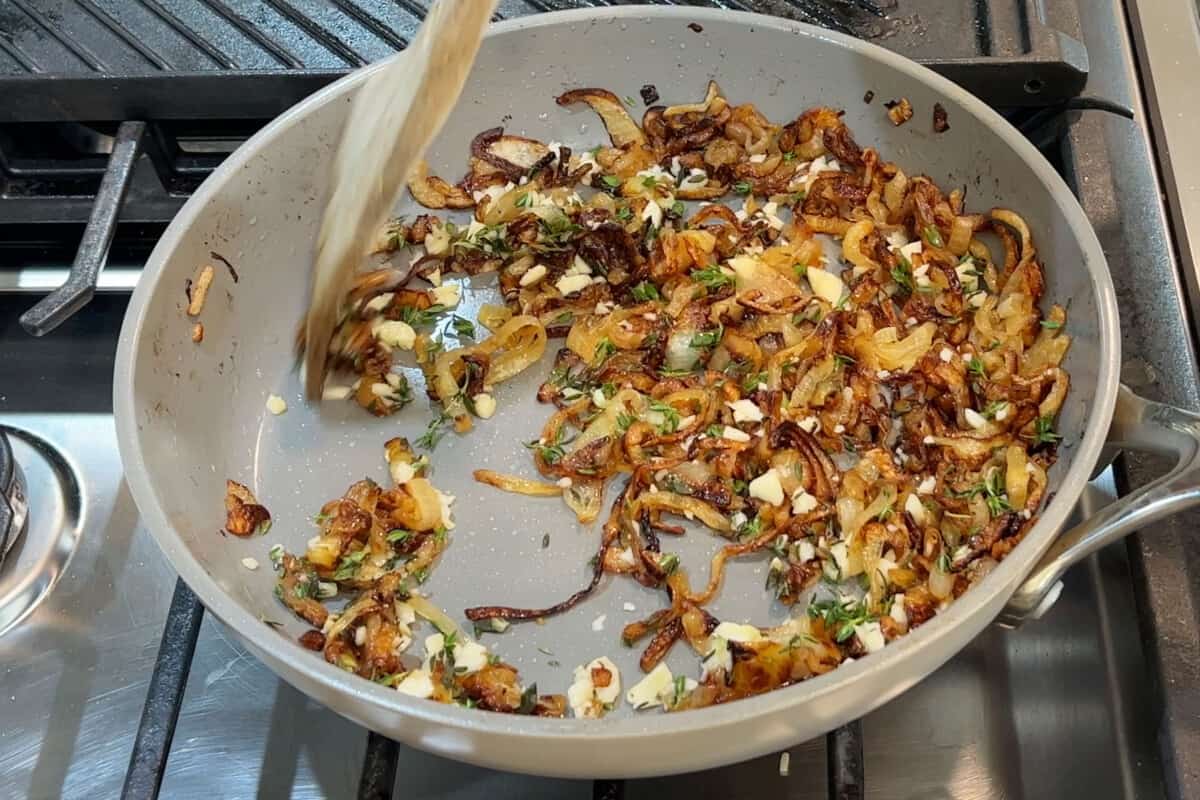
41,516
13,506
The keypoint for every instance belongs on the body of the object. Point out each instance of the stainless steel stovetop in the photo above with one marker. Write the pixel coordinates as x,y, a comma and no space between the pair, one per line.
1077,704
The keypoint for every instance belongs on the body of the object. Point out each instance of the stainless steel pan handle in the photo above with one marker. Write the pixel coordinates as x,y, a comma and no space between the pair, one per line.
1137,424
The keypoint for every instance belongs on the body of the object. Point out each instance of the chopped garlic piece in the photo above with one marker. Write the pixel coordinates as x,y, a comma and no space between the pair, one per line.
809,424
841,557
416,683
533,275
585,697
927,486
734,435
402,472
570,284
870,635
916,509
448,294
598,622
396,333
485,405
336,392
650,690
745,411
470,657
803,502
975,419
446,500
825,285
766,487
805,551
276,404
718,657
946,355
250,563
733,632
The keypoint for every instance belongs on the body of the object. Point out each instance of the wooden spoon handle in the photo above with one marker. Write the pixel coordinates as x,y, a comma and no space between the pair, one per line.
394,116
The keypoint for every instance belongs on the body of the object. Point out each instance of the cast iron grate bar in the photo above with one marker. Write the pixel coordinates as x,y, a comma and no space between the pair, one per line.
277,51
844,754
199,42
122,33
321,36
371,23
378,780
148,762
79,50
608,790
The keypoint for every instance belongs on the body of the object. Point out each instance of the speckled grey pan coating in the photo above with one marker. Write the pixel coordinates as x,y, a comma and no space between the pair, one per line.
189,415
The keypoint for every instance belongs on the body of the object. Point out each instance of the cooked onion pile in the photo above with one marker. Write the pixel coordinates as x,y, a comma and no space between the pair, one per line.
380,545
882,426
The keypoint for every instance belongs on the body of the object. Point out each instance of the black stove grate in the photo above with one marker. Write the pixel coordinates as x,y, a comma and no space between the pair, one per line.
115,60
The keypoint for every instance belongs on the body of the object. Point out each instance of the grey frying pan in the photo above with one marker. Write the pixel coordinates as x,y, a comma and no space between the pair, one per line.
189,415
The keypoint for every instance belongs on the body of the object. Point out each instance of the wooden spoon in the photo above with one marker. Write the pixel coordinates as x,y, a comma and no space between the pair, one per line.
394,117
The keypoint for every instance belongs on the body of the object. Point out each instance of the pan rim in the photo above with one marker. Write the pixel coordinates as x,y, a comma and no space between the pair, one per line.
306,671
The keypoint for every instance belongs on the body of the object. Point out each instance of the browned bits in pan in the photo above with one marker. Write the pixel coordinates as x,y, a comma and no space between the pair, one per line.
869,96
313,640
199,290
244,515
198,332
940,122
899,111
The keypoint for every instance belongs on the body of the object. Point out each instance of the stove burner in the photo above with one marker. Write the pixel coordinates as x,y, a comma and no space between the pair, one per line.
41,516
14,507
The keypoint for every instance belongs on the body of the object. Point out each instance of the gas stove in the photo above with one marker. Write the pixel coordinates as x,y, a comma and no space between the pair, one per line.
113,681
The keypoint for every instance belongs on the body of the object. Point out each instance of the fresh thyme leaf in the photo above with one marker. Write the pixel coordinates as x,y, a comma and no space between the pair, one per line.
841,359
604,349
668,563
624,214
524,200
529,699
708,339
434,433
398,535
750,529
993,408
463,327
902,274
1051,324
932,235
670,416
712,277
418,317
1043,431
841,616
624,421
551,452
975,367
677,208
348,567
715,431
611,181
752,381
741,187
